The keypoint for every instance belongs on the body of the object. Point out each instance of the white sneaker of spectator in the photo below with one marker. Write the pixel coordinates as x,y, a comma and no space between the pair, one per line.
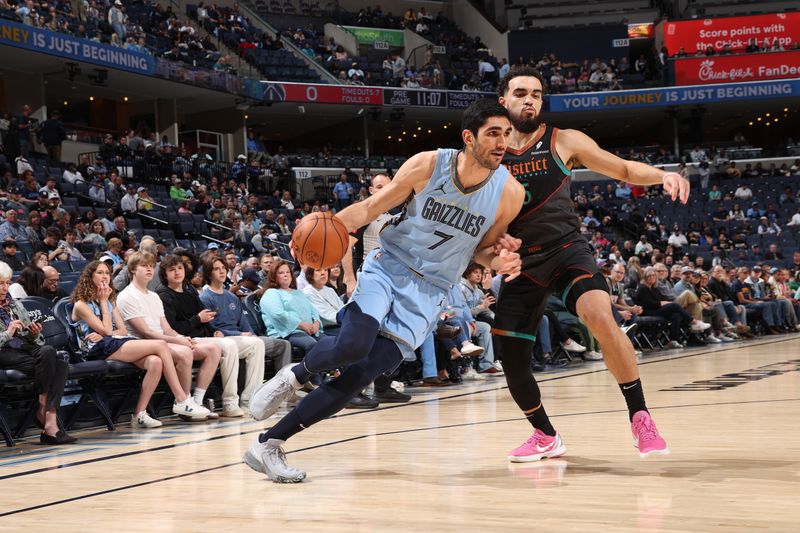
144,421
712,339
498,365
673,345
638,354
725,337
189,408
471,350
398,386
593,355
698,326
471,374
572,346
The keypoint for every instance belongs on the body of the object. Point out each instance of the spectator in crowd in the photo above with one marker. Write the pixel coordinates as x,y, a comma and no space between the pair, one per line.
144,317
478,302
287,312
9,255
23,348
342,192
52,133
30,282
323,298
50,285
72,174
96,235
12,229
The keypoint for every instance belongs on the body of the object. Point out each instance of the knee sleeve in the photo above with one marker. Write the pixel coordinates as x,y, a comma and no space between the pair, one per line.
581,284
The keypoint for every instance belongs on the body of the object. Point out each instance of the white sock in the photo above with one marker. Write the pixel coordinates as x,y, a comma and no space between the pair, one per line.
198,396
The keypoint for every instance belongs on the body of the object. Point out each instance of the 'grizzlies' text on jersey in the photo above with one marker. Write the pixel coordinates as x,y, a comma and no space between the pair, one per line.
547,218
443,224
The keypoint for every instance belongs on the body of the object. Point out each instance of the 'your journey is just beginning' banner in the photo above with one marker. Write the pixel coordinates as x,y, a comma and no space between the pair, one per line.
673,96
68,47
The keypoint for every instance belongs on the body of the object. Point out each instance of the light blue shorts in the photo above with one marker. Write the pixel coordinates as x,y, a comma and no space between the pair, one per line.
406,306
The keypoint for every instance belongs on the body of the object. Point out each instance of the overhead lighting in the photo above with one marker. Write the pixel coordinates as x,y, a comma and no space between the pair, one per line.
246,117
775,119
768,123
429,131
419,128
415,135
404,133
785,109
445,126
751,123
125,98
767,114
759,119
389,138
91,98
66,103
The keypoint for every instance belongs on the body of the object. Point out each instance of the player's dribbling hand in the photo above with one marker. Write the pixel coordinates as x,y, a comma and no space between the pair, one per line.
350,283
508,264
676,186
507,242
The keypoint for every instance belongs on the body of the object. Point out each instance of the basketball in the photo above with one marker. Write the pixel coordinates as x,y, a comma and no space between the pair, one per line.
320,240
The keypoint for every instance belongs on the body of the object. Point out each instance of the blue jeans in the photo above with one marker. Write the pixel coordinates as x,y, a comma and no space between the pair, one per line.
427,352
302,340
544,335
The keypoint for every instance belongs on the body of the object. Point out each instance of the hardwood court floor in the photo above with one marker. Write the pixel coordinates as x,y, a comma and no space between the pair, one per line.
439,463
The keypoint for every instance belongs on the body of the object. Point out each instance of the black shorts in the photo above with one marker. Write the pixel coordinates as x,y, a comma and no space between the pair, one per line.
107,346
552,272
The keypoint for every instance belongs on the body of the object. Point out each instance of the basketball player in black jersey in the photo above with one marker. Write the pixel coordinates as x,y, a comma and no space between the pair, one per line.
557,259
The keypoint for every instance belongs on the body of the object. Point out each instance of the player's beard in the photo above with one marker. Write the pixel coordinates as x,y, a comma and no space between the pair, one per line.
484,159
526,125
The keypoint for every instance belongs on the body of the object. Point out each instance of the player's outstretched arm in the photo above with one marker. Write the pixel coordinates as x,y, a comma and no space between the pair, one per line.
504,261
411,177
576,145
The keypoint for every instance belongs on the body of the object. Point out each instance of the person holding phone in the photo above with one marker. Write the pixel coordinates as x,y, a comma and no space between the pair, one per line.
22,347
189,316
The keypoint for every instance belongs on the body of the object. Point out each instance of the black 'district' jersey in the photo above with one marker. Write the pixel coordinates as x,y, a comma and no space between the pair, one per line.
547,217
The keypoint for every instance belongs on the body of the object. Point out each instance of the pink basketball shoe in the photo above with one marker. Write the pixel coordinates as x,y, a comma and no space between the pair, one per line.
645,436
537,447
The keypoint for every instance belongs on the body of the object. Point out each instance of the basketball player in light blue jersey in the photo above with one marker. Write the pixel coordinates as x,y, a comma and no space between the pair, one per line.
458,205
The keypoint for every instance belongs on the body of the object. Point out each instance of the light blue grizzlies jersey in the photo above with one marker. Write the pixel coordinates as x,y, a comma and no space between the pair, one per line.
441,226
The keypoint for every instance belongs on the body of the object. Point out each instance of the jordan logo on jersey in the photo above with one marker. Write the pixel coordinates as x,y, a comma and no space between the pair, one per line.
453,216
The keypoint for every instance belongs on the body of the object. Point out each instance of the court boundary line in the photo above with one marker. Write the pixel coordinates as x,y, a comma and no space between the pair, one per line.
361,437
368,411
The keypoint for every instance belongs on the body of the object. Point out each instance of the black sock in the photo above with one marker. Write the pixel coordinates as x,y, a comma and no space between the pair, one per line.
634,397
301,372
540,420
286,427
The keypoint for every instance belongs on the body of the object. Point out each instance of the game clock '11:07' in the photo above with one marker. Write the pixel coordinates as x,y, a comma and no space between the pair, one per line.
423,98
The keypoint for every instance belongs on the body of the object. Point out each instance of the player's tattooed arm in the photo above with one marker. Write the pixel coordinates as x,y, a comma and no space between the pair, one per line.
411,177
575,146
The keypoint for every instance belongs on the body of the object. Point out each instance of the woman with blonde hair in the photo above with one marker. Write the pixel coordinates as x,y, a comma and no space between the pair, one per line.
634,274
97,234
